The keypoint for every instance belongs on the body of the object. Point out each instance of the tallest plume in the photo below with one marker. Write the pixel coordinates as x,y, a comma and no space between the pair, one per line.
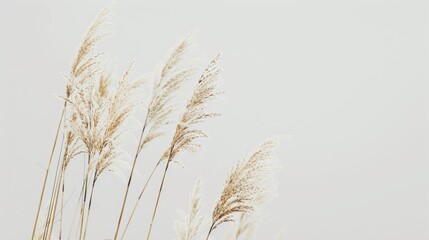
86,64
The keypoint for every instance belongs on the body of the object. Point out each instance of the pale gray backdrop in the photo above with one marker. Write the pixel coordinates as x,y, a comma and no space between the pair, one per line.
345,81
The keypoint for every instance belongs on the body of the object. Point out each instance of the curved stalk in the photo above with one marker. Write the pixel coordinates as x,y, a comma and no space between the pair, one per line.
210,231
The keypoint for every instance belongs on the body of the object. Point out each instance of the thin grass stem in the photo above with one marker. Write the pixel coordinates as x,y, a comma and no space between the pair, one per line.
85,191
138,200
54,209
130,178
47,171
90,203
62,208
158,197
49,221
210,231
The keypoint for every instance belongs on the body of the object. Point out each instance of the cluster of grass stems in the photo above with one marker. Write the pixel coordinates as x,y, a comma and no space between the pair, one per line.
95,117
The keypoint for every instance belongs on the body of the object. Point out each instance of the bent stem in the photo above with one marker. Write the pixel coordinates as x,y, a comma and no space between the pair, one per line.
210,231
47,171
138,200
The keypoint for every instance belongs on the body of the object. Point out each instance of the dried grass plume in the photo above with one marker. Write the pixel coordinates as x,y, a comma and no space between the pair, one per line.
168,79
196,112
191,224
247,180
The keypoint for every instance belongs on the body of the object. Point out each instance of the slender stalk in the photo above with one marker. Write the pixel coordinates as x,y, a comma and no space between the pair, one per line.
54,209
75,212
159,195
49,221
90,203
130,178
62,208
138,200
47,171
82,212
210,231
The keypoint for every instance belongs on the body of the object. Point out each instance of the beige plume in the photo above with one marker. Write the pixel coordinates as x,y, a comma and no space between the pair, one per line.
247,180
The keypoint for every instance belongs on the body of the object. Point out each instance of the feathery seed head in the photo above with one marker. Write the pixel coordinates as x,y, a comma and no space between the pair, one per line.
168,79
191,224
86,65
98,121
247,181
196,112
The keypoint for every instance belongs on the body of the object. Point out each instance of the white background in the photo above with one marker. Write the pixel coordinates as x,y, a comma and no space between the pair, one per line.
347,81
